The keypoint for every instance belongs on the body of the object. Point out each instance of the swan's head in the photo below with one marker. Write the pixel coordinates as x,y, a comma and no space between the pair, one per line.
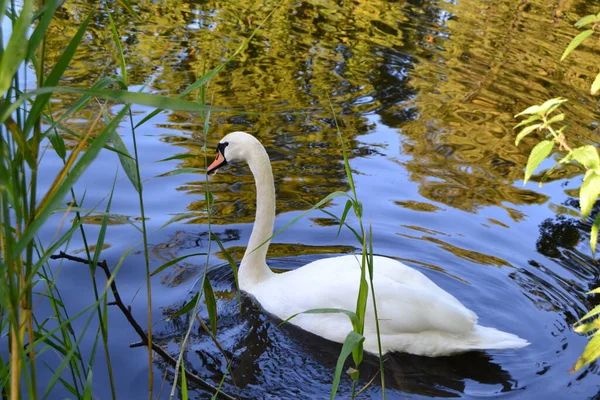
236,146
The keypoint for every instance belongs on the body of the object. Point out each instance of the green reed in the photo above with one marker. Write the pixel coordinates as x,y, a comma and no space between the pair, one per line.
27,127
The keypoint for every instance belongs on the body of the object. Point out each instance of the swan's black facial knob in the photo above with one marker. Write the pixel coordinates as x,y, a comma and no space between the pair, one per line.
220,160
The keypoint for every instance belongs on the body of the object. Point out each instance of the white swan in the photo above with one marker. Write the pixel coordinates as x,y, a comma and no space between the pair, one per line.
416,316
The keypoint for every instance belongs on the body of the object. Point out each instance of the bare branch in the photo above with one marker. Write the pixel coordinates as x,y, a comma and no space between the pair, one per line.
140,331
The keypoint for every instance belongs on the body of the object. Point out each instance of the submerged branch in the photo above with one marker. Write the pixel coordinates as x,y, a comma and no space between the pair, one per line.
140,331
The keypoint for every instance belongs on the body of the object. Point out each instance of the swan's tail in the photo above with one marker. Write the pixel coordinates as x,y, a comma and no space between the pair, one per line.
484,338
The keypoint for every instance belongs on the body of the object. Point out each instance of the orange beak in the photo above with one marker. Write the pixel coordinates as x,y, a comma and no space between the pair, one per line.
219,162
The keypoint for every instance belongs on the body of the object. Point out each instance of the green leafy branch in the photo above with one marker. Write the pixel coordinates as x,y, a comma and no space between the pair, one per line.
594,21
544,118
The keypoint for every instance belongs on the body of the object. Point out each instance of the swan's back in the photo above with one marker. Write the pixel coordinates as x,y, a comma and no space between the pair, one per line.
415,315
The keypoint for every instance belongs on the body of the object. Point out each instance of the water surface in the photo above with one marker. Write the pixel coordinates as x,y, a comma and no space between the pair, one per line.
425,94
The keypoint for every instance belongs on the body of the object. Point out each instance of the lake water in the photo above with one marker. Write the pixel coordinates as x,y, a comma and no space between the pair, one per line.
425,94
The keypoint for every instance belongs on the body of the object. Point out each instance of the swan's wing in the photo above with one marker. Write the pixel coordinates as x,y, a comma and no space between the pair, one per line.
405,305
407,309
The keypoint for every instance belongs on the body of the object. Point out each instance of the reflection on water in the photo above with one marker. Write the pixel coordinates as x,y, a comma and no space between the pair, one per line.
425,92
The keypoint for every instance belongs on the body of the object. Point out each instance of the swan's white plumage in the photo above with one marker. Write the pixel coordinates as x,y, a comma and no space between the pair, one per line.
415,315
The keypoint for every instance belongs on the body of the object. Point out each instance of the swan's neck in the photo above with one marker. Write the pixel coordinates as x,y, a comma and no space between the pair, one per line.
253,268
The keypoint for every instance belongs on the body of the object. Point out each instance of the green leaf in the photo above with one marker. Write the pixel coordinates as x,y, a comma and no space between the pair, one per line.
592,313
590,353
594,233
188,170
184,388
187,307
358,209
587,156
576,42
526,131
585,328
58,143
174,261
353,317
178,217
229,259
352,341
556,118
127,161
16,48
595,86
179,157
551,105
356,235
529,110
588,194
537,155
588,19
211,305
534,117
344,214
594,291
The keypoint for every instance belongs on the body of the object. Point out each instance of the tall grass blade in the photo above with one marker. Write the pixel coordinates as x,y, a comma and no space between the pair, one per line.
211,304
184,389
186,308
350,344
127,161
95,304
65,181
79,104
229,259
128,7
44,16
352,315
323,201
103,314
15,52
361,302
115,217
146,259
143,99
344,214
19,137
594,234
354,232
117,40
177,218
57,72
174,261
370,264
